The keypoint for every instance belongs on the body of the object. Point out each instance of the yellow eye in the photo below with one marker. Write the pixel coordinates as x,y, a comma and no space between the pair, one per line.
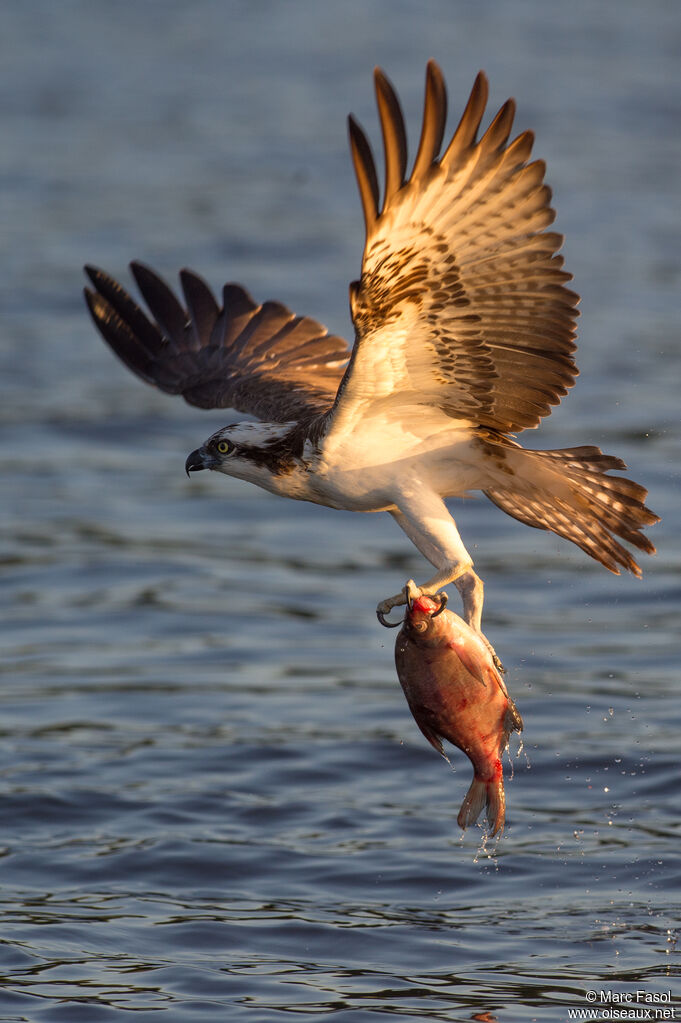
224,447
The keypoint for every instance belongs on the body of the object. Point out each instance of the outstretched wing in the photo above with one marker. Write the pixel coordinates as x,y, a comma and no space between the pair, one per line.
258,359
462,302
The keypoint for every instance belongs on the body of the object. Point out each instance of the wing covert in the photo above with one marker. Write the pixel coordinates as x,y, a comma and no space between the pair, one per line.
258,359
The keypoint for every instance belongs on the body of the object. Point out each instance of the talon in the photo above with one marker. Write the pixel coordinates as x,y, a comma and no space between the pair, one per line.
411,592
443,598
385,624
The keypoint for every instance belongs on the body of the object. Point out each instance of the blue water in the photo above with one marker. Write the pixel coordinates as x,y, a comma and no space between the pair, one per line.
215,804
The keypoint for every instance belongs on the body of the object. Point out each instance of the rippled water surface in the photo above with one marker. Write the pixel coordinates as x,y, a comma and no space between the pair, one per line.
215,803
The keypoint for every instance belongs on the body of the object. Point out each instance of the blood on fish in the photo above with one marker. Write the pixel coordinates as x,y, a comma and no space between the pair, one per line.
455,692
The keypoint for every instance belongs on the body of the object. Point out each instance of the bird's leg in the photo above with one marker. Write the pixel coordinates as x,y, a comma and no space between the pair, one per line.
433,532
471,588
425,519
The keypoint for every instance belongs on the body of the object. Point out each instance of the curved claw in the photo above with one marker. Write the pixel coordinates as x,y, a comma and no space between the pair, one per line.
385,624
443,604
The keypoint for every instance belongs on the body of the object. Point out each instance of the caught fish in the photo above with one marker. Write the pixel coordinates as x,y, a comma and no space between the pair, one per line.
455,692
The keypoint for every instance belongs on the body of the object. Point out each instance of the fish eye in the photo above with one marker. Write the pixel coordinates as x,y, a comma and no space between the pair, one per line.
224,447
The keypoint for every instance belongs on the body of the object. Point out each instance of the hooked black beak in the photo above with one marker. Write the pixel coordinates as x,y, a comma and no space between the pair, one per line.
194,462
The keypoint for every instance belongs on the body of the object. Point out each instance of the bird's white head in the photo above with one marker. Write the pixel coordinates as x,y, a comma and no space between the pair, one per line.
261,453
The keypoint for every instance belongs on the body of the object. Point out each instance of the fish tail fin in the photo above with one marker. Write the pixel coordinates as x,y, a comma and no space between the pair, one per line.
570,492
485,794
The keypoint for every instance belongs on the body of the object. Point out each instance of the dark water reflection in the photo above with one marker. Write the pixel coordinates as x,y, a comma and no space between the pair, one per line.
215,804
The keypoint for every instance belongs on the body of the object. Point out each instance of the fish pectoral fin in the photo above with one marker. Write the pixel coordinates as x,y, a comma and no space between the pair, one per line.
471,663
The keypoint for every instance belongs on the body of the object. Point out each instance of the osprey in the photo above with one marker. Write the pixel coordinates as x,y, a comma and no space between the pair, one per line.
464,335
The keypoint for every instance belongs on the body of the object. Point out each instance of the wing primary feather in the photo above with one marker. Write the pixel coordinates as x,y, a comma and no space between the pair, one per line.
365,172
201,306
126,309
237,308
124,341
394,135
164,307
434,118
467,130
499,130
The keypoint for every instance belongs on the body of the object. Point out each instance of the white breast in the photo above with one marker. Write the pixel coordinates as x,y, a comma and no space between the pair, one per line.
369,463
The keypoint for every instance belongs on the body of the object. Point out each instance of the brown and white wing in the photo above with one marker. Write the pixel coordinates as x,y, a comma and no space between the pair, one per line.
258,359
462,301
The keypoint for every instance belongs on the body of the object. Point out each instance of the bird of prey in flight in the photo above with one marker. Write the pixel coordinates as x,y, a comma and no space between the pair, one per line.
464,336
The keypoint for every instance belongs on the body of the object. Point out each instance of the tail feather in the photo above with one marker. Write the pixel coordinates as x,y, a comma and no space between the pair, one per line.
487,795
569,493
